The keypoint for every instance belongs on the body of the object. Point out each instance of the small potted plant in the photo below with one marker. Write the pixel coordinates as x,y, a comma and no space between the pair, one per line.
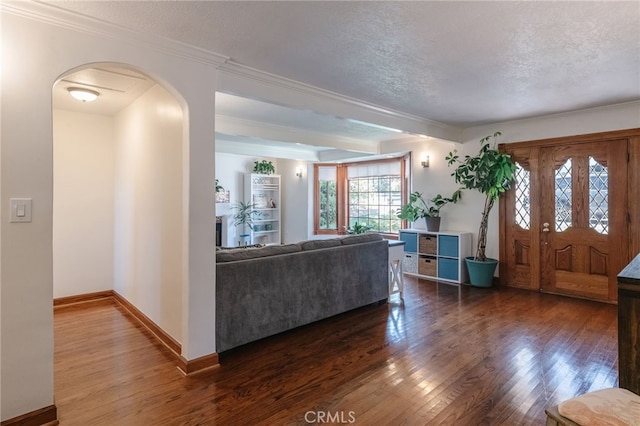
491,173
358,228
263,167
244,214
418,208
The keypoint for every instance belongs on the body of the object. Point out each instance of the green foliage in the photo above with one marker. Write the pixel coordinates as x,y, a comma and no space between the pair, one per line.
263,167
417,208
358,228
219,188
490,172
244,214
328,207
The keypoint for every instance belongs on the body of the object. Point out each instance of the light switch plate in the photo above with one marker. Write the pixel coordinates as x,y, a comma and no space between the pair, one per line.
20,210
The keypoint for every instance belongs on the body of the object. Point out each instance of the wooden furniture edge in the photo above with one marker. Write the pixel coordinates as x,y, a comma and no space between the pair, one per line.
198,365
554,418
44,416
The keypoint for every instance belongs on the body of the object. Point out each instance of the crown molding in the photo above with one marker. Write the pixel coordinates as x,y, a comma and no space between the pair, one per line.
53,15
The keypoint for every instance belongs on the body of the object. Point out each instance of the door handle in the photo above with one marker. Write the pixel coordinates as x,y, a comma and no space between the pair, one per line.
545,227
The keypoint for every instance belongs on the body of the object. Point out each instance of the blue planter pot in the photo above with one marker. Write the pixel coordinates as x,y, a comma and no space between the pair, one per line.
481,273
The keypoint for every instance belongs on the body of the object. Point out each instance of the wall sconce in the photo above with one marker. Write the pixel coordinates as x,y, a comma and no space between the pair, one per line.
425,162
299,172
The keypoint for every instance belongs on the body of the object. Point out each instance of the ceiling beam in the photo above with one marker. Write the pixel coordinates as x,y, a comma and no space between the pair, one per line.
248,82
241,127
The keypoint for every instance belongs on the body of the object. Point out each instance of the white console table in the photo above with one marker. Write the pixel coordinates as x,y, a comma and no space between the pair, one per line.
396,279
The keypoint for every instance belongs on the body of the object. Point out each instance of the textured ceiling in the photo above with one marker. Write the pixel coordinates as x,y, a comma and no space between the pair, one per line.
461,63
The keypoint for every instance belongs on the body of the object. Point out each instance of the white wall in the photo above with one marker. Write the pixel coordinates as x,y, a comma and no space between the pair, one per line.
148,208
295,207
83,167
593,120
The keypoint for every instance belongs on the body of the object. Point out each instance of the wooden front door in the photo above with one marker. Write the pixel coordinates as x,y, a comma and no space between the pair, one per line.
566,219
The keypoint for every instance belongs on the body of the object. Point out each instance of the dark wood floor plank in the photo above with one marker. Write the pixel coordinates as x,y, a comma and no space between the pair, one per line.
447,355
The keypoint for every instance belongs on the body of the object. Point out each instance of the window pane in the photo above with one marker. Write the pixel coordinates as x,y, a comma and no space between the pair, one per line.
327,196
523,200
563,197
598,197
378,199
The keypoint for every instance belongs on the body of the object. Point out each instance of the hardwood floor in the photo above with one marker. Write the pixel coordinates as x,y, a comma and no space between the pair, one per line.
447,356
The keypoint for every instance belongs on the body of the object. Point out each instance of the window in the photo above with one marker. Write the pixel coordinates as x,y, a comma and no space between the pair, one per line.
369,193
327,201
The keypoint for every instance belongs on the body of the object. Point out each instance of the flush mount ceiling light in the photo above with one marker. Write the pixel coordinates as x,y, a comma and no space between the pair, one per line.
82,94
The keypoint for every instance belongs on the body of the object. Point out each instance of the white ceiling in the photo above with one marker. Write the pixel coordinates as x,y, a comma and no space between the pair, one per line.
459,63
117,87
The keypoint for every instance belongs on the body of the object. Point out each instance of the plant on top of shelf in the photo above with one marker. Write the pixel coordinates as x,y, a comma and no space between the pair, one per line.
418,208
263,167
219,188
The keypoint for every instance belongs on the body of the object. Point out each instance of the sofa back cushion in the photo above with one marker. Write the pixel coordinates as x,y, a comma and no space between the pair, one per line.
360,238
320,244
253,253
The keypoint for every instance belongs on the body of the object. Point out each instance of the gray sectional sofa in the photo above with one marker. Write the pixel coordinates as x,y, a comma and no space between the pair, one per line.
264,291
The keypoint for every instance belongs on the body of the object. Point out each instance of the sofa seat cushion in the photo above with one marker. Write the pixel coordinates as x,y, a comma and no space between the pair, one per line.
606,407
254,253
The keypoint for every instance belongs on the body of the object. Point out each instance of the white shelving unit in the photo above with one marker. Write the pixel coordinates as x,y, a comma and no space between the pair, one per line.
436,255
264,192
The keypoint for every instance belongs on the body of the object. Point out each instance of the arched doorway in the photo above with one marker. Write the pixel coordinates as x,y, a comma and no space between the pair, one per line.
118,191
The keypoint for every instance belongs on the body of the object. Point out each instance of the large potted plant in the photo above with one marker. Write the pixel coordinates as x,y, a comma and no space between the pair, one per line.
418,208
491,173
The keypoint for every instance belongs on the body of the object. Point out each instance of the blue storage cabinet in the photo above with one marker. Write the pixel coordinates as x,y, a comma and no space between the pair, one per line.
448,258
